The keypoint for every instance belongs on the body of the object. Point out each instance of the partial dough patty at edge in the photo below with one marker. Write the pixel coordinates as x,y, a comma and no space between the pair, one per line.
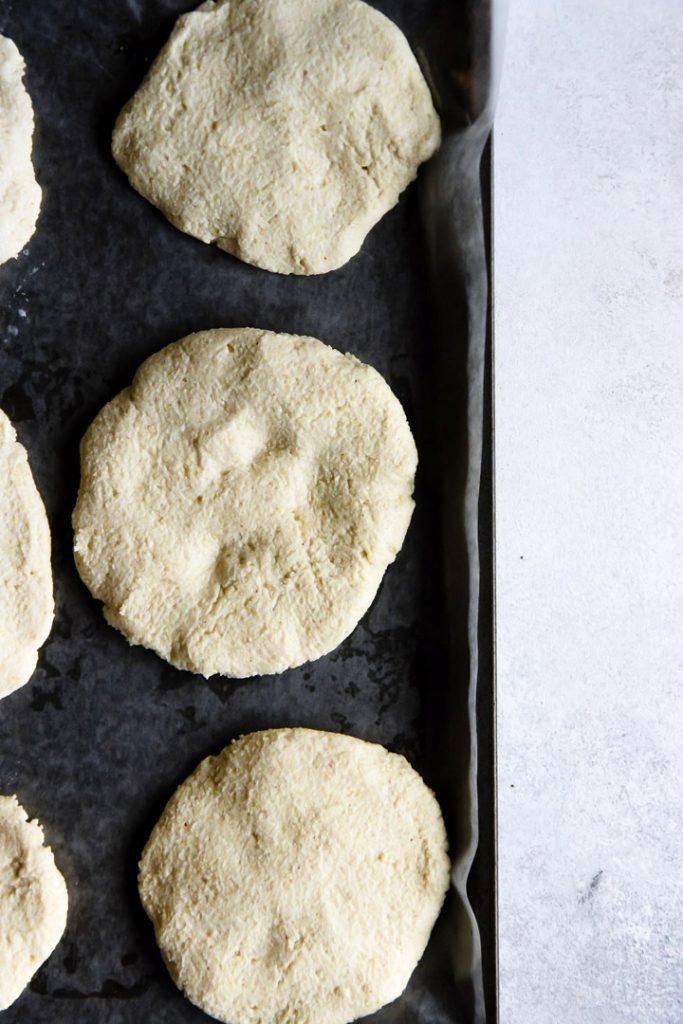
296,877
26,601
33,900
281,131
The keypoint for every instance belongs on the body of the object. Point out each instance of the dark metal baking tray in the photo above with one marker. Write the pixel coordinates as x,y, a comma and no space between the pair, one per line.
97,742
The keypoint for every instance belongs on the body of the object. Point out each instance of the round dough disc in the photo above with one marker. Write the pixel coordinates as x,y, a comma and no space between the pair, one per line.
20,194
281,131
26,602
296,877
33,900
240,503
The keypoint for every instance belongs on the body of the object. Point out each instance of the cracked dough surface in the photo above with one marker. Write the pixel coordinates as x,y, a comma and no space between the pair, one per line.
33,900
296,877
20,194
26,602
241,501
282,131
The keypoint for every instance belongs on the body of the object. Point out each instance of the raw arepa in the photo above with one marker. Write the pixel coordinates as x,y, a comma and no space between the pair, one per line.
20,194
33,900
280,130
241,501
26,601
296,877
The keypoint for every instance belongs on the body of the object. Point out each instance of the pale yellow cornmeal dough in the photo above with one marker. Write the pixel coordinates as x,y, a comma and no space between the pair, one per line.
26,602
33,900
281,130
20,194
240,502
296,877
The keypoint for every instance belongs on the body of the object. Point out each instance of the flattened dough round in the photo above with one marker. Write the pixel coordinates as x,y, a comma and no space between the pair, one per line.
33,900
282,131
240,502
20,193
296,877
26,602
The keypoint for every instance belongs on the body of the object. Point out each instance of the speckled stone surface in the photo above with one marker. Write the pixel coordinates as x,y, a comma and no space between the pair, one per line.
588,187
97,742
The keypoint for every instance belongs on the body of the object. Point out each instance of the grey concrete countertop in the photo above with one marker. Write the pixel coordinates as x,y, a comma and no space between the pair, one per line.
588,224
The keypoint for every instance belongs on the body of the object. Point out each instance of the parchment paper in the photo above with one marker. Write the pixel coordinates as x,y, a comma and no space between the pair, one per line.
96,744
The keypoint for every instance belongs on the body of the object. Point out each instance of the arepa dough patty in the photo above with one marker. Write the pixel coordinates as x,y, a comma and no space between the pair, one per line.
241,501
20,194
26,602
280,130
33,900
296,877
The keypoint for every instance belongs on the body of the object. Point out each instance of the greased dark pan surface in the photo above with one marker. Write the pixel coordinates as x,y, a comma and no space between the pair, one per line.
97,742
